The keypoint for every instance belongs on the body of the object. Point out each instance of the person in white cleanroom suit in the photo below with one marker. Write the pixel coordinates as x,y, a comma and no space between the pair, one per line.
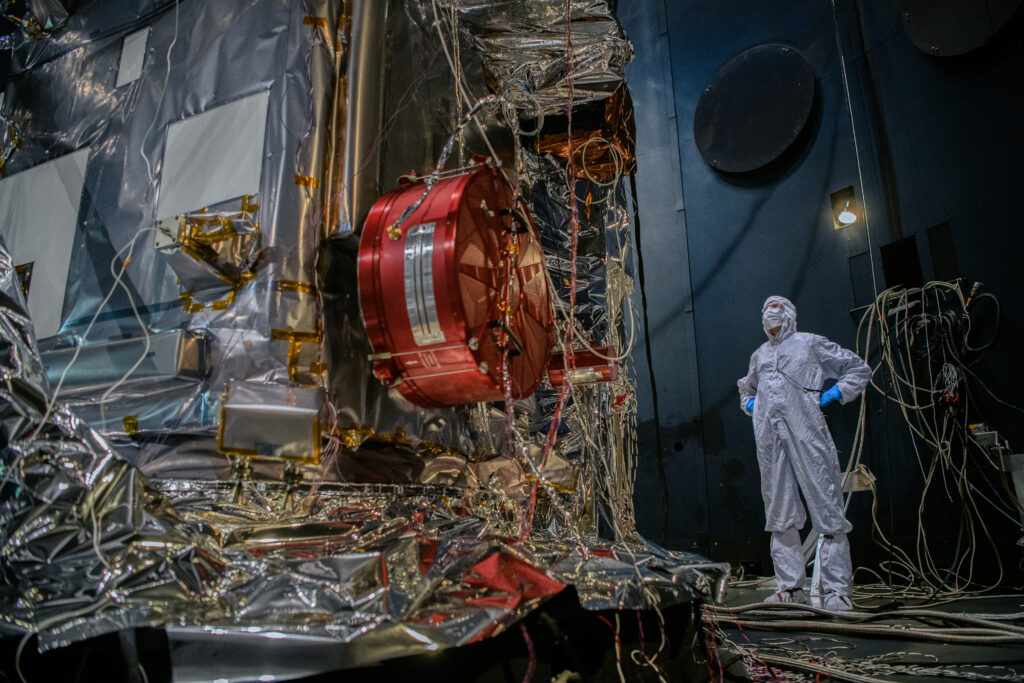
783,392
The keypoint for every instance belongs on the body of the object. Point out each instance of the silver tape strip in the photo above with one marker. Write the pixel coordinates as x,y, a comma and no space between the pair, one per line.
419,285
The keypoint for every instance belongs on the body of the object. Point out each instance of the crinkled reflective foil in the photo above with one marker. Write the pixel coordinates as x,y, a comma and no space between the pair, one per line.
524,46
90,545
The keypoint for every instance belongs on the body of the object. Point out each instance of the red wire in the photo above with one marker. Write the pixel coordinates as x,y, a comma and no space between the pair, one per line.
618,639
713,654
533,654
737,621
640,625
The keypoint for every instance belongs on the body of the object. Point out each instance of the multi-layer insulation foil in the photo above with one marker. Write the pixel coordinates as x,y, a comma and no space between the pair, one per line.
163,163
89,545
536,56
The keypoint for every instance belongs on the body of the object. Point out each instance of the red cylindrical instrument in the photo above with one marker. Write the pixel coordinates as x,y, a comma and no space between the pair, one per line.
454,289
588,367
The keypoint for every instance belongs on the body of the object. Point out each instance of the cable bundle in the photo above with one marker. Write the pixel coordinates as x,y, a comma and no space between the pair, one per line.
923,337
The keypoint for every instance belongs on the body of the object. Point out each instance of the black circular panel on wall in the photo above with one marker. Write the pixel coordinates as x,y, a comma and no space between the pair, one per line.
945,28
754,108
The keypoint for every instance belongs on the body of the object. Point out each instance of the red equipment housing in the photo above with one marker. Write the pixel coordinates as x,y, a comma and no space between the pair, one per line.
453,288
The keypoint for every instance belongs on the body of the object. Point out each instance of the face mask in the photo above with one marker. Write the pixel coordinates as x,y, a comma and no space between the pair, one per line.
772,318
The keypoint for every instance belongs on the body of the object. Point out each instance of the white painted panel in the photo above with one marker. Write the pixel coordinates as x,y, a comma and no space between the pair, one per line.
133,57
38,217
213,156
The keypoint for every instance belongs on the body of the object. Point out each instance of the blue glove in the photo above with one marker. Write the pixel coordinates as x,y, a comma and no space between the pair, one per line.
830,396
750,405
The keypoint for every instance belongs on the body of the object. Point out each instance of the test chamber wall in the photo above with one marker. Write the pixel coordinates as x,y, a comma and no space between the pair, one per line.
715,246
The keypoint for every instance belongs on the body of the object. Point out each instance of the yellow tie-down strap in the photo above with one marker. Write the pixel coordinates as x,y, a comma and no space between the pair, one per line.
295,341
190,305
295,286
320,23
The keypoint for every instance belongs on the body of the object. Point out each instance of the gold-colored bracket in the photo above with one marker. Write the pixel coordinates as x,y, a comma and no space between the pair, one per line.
131,425
307,181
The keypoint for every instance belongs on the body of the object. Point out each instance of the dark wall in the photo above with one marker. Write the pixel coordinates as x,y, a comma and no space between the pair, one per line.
938,139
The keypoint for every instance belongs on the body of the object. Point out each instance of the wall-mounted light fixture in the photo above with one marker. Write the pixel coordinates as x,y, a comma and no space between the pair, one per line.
845,210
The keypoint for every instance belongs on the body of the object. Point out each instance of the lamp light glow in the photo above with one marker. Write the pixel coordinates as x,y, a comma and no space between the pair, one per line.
845,209
846,216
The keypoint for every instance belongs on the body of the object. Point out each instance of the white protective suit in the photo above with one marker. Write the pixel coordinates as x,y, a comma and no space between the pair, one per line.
795,448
